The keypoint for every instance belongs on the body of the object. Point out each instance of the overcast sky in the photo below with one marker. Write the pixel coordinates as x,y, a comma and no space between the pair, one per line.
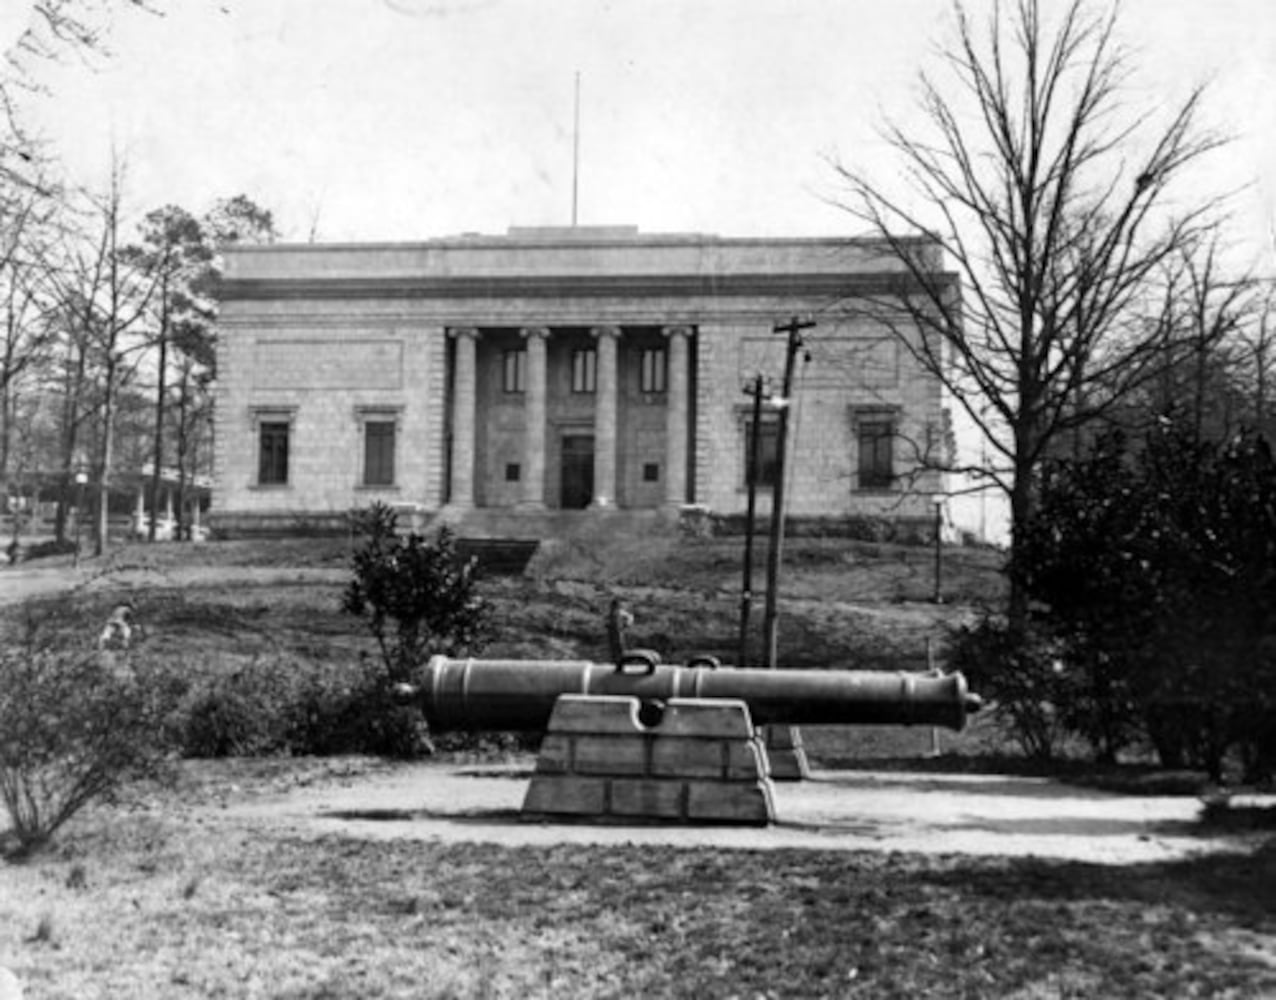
409,119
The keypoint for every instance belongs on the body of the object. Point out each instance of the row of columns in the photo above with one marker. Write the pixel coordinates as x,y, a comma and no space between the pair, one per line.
141,520
465,415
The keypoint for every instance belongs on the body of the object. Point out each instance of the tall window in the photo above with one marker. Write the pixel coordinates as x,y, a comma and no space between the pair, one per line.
378,452
514,370
272,452
584,370
768,442
651,370
876,435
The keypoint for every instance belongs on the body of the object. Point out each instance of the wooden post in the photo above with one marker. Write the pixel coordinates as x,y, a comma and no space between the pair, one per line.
930,666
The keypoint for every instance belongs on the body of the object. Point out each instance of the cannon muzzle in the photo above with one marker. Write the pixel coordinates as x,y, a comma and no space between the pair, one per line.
520,694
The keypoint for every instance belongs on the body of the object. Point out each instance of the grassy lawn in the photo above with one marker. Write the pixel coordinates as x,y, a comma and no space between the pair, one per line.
165,897
172,902
846,604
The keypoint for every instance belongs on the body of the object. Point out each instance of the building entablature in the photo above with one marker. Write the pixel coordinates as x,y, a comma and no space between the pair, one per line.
561,286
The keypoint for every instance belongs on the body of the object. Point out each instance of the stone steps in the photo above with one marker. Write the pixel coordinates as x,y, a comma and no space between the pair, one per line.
562,524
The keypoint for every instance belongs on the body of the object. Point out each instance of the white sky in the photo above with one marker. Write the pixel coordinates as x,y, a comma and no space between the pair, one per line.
409,119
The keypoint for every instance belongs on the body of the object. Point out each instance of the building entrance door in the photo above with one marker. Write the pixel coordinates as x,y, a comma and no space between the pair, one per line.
578,471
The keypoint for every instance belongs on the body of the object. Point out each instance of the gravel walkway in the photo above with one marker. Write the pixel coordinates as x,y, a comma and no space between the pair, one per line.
837,810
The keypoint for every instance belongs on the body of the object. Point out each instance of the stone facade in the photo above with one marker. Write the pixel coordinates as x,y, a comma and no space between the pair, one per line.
558,369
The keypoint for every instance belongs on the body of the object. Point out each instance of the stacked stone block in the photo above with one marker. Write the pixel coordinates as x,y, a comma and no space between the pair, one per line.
689,760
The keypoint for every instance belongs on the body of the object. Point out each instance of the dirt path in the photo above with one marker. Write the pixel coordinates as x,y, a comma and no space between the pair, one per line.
839,810
17,583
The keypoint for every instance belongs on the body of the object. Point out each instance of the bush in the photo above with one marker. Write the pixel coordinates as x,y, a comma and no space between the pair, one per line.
1154,560
52,547
240,714
73,728
290,707
1023,679
339,711
416,597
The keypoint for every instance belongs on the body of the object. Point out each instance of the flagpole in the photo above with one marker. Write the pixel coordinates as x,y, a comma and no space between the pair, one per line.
575,149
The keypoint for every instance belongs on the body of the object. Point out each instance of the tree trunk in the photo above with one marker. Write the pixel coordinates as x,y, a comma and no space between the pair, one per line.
8,402
183,388
159,410
108,440
1022,497
70,438
6,432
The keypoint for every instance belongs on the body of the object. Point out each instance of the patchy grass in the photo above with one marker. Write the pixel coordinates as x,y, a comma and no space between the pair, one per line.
219,607
152,904
218,611
843,603
832,569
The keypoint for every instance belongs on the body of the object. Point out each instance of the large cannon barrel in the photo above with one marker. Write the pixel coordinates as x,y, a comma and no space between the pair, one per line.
520,694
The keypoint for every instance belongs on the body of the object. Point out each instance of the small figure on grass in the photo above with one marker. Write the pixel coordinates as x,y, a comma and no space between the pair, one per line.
117,633
619,619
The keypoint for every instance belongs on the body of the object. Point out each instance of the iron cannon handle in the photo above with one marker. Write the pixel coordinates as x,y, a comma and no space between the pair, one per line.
644,658
704,660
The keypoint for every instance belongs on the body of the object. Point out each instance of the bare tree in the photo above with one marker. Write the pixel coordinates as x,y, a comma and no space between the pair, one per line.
57,29
1048,194
1201,321
1257,360
25,333
105,298
1214,310
1264,353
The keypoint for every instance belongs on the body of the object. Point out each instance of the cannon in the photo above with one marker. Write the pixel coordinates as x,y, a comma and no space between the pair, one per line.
644,740
520,695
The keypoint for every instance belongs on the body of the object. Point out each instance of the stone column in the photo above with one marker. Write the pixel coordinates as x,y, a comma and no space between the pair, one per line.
464,404
534,414
605,417
676,406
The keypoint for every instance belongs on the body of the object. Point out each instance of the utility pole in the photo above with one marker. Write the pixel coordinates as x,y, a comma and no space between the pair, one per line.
793,329
753,389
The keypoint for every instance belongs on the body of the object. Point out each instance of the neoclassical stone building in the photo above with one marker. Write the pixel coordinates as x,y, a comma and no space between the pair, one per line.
592,368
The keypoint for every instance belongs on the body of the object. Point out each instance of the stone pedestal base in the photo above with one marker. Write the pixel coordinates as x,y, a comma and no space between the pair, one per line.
785,753
689,760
